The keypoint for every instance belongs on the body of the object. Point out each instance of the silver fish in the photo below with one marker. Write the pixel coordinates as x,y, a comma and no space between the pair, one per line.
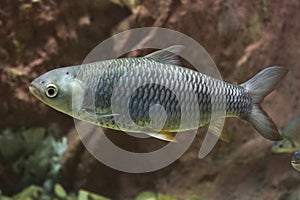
291,138
295,162
94,86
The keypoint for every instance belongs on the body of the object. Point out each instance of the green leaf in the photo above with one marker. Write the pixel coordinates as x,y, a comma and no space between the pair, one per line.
165,197
85,195
147,195
60,191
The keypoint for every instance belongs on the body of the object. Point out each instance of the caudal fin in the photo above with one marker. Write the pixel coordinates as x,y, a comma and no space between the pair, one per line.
258,87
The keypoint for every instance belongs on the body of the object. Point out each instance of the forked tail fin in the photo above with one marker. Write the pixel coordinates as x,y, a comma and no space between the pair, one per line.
258,87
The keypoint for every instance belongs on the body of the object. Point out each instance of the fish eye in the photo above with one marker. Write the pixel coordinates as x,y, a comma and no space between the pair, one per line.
51,90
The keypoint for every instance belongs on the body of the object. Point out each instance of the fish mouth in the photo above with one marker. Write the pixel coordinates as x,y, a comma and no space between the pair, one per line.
34,89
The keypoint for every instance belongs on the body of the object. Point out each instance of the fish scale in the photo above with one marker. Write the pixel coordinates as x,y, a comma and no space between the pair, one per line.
105,93
202,85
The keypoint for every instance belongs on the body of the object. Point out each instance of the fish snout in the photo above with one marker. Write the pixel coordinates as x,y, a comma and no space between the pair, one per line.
296,158
34,88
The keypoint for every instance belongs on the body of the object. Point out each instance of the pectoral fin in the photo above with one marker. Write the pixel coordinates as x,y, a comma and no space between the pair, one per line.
87,112
107,115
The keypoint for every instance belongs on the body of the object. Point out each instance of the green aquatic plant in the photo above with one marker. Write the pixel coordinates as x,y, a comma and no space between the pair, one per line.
165,197
33,192
85,195
60,192
10,145
35,155
148,195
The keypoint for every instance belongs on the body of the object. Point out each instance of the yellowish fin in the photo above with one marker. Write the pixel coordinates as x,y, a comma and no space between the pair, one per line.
166,136
225,136
162,135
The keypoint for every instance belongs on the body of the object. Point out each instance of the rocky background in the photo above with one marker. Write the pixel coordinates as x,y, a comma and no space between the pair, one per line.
242,37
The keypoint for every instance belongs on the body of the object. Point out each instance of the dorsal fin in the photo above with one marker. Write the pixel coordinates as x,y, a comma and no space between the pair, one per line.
167,55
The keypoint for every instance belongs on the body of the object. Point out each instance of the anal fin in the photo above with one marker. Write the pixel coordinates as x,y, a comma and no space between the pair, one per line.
225,136
162,135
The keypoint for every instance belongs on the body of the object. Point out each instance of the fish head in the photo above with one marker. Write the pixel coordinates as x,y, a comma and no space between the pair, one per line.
295,162
284,146
59,88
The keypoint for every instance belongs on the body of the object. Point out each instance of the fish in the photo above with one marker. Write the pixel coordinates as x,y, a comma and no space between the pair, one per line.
295,161
87,92
291,138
